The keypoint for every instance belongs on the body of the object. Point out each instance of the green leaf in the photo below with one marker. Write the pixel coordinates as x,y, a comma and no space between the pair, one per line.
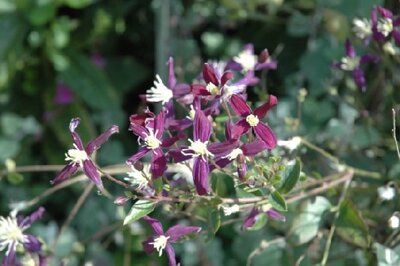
387,256
290,176
277,201
90,83
299,25
158,184
214,220
138,210
261,220
305,225
15,178
351,227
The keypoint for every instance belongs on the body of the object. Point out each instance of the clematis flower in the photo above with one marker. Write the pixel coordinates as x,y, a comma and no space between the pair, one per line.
214,82
12,236
79,156
385,26
161,240
151,132
352,62
251,119
252,218
247,61
201,151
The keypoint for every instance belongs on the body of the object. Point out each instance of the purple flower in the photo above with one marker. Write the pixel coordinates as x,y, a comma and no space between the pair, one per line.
252,218
247,61
385,26
63,94
201,150
150,131
79,156
12,236
352,62
161,240
251,119
214,82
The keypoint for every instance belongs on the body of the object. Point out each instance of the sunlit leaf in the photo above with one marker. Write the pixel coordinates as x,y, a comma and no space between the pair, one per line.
290,176
138,210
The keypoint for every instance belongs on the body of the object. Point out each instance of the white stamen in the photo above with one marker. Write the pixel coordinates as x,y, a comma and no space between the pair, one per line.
252,120
246,59
385,26
159,92
76,156
362,27
192,113
199,148
391,49
291,144
350,63
11,235
229,210
160,243
137,178
151,141
234,154
212,89
386,193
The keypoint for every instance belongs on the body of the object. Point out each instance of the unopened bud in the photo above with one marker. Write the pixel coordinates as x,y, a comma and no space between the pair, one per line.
263,57
120,200
138,165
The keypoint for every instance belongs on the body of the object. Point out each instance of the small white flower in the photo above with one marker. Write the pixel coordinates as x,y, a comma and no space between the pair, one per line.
160,243
199,148
391,49
229,210
385,26
362,27
386,193
76,156
349,63
11,235
159,93
246,59
291,144
394,221
137,178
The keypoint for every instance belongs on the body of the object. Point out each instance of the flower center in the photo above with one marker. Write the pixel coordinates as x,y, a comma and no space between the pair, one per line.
159,93
160,243
362,28
247,60
10,232
199,148
252,120
76,156
151,141
234,154
385,26
350,63
214,90
192,113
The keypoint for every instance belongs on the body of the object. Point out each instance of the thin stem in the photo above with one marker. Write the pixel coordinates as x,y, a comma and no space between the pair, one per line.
127,251
394,133
74,211
264,244
333,227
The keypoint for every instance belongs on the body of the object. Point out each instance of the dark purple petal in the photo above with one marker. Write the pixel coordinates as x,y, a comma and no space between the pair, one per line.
233,65
168,142
138,130
147,247
242,126
140,119
241,167
266,134
200,175
209,75
178,231
251,219
75,137
32,244
11,258
221,163
202,127
226,77
396,22
137,156
155,224
267,65
350,52
64,94
262,110
251,149
181,90
97,142
396,37
91,171
378,36
158,163
171,73
28,221
171,255
263,56
179,125
200,90
240,106
222,149
43,260
358,76
65,173
159,124
273,214
178,156
369,59
385,12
